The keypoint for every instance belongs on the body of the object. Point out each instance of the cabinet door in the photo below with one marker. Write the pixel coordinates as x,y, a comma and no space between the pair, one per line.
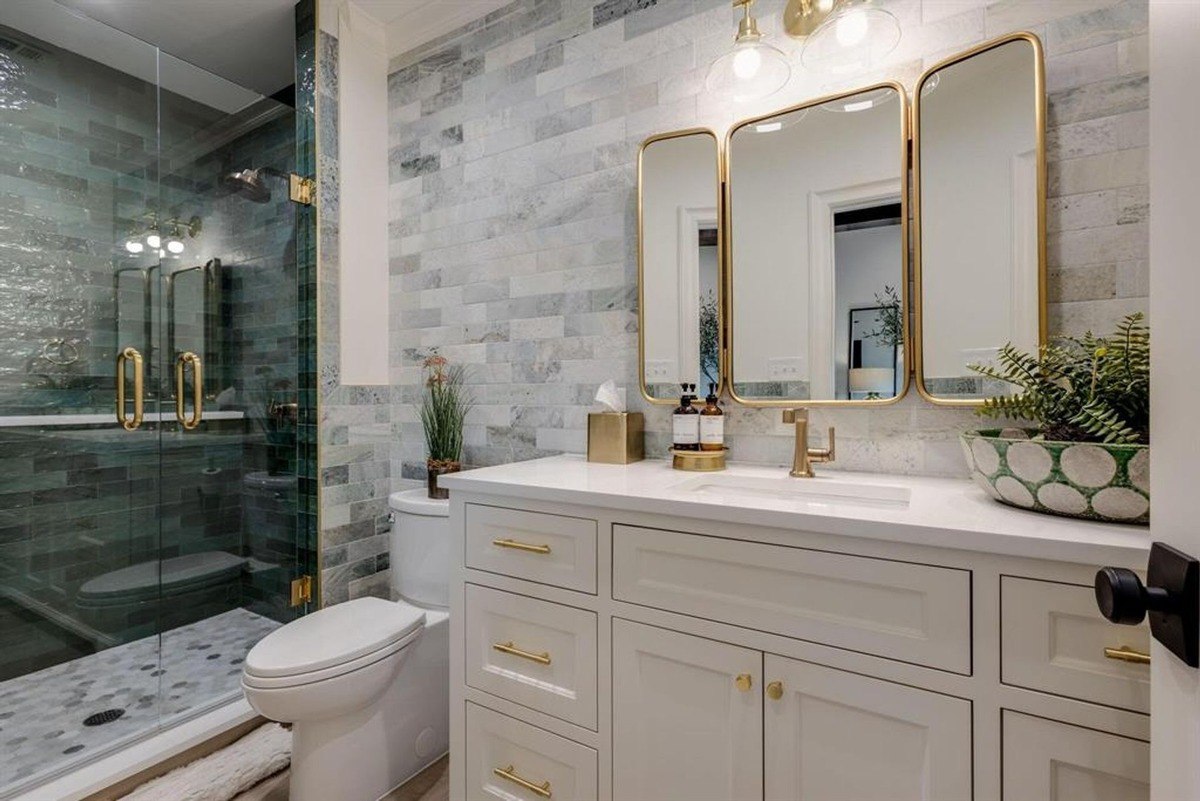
837,735
1049,761
684,726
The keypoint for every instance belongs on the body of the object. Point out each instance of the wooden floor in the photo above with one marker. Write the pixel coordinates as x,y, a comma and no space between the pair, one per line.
431,784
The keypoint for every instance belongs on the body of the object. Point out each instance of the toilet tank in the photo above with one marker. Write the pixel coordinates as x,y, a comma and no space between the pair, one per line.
420,548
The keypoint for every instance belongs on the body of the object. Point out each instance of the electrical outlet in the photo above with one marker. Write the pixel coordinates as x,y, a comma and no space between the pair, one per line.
786,368
658,372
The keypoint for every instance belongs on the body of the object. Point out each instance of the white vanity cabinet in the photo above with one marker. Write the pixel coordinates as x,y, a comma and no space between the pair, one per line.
616,637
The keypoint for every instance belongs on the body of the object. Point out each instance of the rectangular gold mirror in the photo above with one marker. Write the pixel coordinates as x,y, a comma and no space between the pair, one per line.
680,285
817,199
980,211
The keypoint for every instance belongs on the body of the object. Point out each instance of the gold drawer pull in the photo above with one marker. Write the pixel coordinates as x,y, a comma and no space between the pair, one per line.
508,648
775,690
521,546
1127,654
542,789
744,682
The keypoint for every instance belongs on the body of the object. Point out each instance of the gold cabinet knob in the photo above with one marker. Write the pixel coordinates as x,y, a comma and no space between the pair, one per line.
775,690
744,682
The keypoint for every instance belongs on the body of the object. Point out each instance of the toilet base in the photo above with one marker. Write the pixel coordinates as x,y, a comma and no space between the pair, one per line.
367,754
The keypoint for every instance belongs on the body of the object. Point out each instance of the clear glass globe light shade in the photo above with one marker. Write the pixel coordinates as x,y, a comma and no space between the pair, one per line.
175,245
153,240
857,37
133,246
851,27
752,70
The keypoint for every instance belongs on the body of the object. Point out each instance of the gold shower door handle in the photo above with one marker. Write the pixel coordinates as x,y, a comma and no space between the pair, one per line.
123,358
186,358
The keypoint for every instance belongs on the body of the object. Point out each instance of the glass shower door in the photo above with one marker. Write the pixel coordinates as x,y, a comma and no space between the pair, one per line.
79,477
149,387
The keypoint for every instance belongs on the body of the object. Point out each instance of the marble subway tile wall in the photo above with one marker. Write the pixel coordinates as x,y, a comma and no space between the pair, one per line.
513,203
355,424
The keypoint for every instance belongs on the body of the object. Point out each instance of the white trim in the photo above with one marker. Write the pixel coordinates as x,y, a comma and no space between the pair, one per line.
59,420
1023,303
690,222
822,300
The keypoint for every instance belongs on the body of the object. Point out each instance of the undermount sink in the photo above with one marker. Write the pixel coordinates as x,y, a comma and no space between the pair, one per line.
820,490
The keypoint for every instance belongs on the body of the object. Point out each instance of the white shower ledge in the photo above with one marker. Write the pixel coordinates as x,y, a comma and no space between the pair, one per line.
940,512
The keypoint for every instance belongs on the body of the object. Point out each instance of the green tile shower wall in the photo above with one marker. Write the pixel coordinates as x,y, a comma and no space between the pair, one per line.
80,160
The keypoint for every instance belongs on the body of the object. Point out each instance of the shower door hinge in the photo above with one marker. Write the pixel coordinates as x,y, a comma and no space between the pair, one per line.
302,190
302,590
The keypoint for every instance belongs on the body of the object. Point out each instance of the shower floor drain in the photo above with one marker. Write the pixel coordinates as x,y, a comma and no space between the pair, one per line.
100,718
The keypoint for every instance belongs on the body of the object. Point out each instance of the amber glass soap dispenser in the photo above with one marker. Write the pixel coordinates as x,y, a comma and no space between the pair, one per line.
712,423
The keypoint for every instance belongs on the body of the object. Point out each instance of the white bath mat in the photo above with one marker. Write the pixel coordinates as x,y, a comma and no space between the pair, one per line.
225,773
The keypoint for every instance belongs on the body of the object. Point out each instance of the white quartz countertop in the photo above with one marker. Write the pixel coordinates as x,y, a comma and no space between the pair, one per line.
939,512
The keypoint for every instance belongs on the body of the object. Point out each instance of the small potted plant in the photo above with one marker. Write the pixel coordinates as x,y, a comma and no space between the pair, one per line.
444,407
1089,455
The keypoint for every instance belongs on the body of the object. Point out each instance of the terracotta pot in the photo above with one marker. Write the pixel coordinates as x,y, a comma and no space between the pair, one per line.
1089,480
439,468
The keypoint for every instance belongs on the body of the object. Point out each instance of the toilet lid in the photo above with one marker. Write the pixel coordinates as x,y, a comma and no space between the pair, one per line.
333,636
174,575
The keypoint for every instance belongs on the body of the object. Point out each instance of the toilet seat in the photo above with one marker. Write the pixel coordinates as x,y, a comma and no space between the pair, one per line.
332,642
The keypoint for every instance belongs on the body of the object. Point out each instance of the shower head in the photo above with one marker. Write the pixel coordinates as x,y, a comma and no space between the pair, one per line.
247,183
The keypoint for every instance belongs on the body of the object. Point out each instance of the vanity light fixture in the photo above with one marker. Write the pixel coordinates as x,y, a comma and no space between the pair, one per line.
802,17
856,35
753,69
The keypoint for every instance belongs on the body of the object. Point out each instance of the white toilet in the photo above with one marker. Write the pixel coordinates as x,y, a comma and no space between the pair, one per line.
365,684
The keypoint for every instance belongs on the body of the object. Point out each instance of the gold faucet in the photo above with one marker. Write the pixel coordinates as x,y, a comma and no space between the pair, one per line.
805,457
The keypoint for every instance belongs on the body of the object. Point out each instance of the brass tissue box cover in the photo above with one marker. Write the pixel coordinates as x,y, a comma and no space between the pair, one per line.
616,437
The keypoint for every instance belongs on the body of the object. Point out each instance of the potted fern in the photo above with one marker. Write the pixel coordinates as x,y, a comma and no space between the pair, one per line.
444,407
1088,456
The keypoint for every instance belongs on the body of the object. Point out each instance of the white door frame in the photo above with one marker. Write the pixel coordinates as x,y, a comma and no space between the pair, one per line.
822,276
1175,372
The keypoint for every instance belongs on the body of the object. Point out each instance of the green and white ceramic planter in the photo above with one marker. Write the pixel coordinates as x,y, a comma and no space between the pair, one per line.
1087,480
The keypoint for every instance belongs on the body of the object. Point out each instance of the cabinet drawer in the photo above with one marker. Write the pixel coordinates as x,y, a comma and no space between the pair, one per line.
507,759
535,653
1045,760
914,613
549,549
1052,638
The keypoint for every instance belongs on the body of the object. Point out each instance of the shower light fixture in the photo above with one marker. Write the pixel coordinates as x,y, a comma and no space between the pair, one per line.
752,69
153,240
175,245
856,35
134,246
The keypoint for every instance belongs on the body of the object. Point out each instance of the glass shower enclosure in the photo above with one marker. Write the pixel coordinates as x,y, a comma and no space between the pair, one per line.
152,298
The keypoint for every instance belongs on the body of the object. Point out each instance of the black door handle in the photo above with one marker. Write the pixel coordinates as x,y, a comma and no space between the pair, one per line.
1171,598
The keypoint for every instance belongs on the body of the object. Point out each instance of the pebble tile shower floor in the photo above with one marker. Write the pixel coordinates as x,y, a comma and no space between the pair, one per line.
42,714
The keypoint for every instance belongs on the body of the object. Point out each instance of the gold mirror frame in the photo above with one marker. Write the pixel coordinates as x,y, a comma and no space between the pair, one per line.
1040,123
727,167
722,334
